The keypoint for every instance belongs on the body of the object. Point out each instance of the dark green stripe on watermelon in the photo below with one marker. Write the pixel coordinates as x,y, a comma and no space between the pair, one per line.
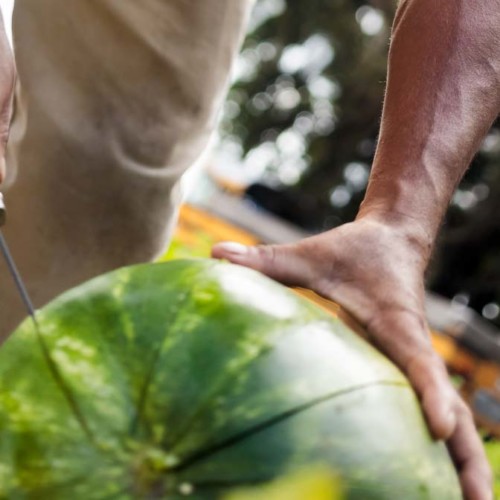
202,375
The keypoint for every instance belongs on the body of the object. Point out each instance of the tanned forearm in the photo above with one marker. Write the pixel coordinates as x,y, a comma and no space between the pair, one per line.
443,94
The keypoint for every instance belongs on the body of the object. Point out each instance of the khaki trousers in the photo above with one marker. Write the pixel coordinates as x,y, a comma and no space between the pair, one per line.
115,100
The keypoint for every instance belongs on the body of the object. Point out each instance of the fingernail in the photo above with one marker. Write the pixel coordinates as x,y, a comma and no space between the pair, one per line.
233,248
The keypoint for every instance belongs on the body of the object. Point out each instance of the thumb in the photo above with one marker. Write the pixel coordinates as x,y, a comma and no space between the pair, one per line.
285,263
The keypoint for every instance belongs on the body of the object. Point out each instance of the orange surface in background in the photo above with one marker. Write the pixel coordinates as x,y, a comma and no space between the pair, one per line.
462,361
192,221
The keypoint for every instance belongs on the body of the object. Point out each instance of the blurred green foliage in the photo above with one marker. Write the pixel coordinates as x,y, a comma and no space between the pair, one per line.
303,116
493,452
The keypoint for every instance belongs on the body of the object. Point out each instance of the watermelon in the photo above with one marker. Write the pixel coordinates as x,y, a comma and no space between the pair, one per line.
195,378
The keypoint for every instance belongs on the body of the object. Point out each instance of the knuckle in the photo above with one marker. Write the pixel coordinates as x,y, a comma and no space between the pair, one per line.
268,259
269,252
462,409
428,362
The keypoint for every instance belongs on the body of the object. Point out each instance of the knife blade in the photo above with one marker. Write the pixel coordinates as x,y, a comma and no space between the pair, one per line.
14,271
23,292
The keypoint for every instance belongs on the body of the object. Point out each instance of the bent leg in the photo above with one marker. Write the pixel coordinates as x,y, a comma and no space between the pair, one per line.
116,98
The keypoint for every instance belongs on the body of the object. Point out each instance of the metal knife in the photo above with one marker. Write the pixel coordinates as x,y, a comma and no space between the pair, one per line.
16,276
23,292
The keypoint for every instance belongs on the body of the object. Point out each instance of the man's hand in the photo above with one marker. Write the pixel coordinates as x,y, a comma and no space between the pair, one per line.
7,81
375,271
442,96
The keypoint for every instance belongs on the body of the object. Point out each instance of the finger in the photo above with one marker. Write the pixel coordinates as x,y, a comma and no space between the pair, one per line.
470,459
284,263
403,336
430,380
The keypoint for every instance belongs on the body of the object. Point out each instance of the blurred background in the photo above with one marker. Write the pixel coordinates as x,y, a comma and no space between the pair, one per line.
293,155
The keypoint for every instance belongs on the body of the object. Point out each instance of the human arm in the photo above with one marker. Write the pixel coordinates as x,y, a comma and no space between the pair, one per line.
7,79
443,93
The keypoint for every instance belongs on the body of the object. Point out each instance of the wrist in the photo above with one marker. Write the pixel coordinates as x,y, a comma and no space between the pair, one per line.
409,229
